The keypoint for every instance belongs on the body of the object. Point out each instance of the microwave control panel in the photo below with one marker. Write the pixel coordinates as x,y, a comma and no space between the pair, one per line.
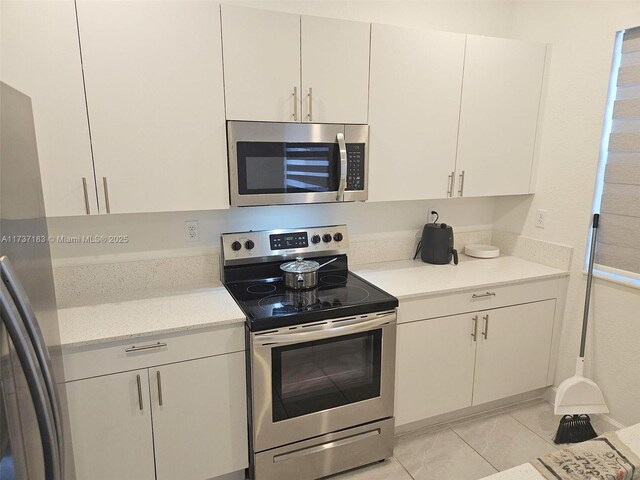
355,166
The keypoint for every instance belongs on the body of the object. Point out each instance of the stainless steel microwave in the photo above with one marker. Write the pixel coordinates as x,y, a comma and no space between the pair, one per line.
290,163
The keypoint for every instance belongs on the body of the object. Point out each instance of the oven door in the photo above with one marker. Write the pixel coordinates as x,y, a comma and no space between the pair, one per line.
289,163
322,377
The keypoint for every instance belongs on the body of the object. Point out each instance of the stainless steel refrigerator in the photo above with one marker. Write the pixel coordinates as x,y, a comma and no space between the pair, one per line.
31,444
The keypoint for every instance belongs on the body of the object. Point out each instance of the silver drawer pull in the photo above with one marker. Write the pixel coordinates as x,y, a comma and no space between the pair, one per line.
483,295
138,348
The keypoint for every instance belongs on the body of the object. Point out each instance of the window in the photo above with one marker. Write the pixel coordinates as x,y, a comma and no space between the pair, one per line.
617,195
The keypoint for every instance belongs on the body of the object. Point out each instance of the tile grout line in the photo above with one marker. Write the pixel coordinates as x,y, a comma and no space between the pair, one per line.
535,433
471,447
403,467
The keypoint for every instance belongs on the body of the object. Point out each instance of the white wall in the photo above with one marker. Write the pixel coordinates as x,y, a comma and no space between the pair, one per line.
582,35
163,234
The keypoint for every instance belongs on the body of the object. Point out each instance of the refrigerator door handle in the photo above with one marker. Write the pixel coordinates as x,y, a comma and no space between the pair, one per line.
35,381
23,305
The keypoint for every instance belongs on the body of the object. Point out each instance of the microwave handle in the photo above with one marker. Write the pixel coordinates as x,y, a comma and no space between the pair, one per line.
343,167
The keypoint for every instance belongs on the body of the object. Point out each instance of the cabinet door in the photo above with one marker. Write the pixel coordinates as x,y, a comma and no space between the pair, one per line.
434,367
111,433
513,350
499,115
335,70
200,430
155,96
414,107
41,58
261,64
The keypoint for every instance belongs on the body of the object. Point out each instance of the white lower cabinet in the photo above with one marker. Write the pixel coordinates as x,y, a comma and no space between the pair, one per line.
449,363
185,420
514,344
111,427
434,366
200,429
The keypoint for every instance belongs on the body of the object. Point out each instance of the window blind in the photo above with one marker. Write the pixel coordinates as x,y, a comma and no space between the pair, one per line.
619,236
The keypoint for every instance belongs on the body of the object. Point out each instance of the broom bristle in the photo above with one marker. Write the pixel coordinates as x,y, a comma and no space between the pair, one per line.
574,429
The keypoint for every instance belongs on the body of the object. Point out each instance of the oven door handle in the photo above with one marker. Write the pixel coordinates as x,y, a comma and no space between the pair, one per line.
343,167
288,338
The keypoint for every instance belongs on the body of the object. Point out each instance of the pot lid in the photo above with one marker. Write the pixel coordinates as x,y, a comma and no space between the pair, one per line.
300,266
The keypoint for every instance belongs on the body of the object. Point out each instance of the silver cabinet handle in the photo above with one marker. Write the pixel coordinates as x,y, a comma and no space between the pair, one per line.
461,189
138,380
343,167
485,331
138,348
483,295
86,195
106,194
159,380
474,331
450,182
295,104
310,114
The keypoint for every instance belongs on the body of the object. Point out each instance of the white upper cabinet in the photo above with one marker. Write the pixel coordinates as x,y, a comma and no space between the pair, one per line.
416,79
41,58
499,115
155,97
281,67
261,64
335,70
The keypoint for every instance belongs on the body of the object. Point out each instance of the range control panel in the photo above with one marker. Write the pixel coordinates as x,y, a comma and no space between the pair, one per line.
272,245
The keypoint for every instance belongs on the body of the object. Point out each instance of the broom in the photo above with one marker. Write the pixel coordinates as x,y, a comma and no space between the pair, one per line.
578,396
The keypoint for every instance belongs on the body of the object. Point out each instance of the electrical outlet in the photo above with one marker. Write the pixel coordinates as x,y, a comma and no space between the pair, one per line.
192,231
541,218
430,217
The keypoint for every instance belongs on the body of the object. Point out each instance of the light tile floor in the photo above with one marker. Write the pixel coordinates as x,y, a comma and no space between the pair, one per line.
473,448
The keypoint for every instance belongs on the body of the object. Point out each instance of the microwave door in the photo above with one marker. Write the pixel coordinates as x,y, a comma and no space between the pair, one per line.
290,172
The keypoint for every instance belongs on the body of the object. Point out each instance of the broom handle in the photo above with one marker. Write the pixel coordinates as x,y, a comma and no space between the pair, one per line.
587,297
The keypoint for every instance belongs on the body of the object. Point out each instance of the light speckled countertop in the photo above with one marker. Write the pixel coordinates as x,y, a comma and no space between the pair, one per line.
207,307
411,278
630,436
210,307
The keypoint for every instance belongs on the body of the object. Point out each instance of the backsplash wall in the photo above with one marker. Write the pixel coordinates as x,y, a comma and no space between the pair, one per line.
163,235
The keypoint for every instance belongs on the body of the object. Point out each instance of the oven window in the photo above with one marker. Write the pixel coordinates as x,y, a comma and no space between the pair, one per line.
315,376
278,167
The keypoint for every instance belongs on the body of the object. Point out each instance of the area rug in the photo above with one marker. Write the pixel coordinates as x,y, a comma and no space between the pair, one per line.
603,458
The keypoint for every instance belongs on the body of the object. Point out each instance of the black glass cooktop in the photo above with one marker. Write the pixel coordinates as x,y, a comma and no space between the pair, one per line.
268,304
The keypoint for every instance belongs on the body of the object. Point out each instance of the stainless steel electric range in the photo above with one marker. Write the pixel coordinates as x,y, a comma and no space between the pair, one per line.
320,361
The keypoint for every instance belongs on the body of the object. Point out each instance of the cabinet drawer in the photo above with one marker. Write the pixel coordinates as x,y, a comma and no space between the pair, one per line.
112,357
482,298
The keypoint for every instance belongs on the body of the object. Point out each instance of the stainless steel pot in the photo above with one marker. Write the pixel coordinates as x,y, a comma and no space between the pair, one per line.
302,274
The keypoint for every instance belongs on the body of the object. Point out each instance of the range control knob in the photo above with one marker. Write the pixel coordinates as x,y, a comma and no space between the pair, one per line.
315,239
326,238
338,237
235,246
249,244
